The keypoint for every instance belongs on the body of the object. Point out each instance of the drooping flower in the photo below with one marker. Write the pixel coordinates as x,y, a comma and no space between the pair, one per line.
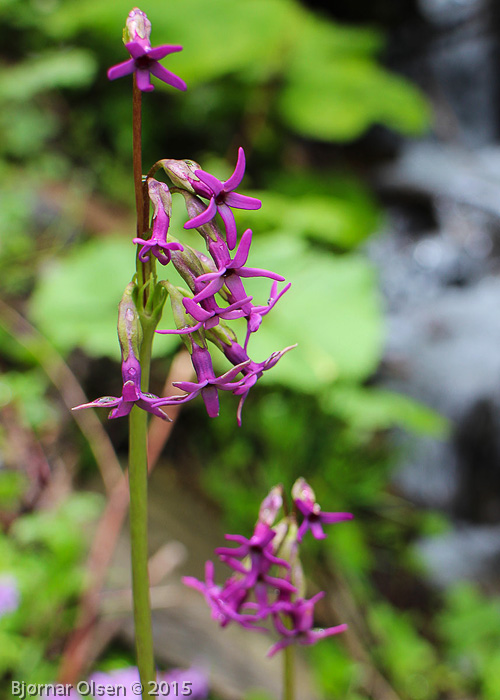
223,198
161,198
207,385
300,615
314,517
144,58
230,272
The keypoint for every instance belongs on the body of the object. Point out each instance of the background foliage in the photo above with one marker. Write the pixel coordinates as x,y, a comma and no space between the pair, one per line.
290,87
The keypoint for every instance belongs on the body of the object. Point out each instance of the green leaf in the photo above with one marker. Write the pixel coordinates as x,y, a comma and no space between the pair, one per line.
75,303
332,311
369,409
71,68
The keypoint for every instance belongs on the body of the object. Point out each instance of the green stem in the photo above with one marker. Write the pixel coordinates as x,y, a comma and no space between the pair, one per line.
289,673
138,462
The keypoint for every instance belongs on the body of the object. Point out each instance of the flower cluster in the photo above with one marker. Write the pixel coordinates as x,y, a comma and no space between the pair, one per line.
215,278
267,581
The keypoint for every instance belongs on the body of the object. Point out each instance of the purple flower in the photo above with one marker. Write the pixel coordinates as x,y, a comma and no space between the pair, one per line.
131,394
192,679
144,58
9,595
223,602
300,614
208,384
157,245
314,518
223,197
252,371
230,272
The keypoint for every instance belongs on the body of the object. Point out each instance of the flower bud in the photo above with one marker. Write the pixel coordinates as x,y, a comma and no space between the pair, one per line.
137,28
181,173
160,197
181,318
129,324
301,491
271,505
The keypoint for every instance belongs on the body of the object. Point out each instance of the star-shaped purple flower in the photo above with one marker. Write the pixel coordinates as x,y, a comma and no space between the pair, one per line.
208,384
300,613
144,62
131,394
223,197
314,517
161,198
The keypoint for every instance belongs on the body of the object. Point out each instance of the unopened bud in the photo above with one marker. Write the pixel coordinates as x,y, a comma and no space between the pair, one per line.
160,197
137,28
271,505
129,325
301,491
181,172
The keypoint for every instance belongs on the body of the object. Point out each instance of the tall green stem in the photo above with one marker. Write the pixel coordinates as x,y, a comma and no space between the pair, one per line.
138,464
289,673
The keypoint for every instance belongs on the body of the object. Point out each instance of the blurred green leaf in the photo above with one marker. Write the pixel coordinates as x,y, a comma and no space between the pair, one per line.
71,68
369,409
332,311
75,303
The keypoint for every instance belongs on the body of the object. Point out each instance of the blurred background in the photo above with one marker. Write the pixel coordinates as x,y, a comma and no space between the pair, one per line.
371,131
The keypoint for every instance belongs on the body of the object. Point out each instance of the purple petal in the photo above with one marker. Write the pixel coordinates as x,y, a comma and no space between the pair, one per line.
329,518
123,409
279,646
258,272
204,217
209,290
238,173
136,49
242,201
243,250
189,386
143,81
227,217
121,69
196,311
102,402
317,530
209,180
211,400
167,76
159,52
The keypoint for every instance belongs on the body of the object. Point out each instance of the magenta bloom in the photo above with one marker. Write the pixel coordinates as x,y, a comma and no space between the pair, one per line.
208,384
144,62
314,517
131,394
223,197
230,272
300,613
157,244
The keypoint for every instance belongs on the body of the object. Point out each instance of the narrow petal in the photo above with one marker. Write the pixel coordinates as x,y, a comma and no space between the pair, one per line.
335,517
167,76
136,49
103,402
243,250
211,400
209,180
258,272
152,408
209,290
158,52
238,173
227,217
181,331
143,80
123,409
189,386
242,201
317,530
196,311
204,217
121,69
279,646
